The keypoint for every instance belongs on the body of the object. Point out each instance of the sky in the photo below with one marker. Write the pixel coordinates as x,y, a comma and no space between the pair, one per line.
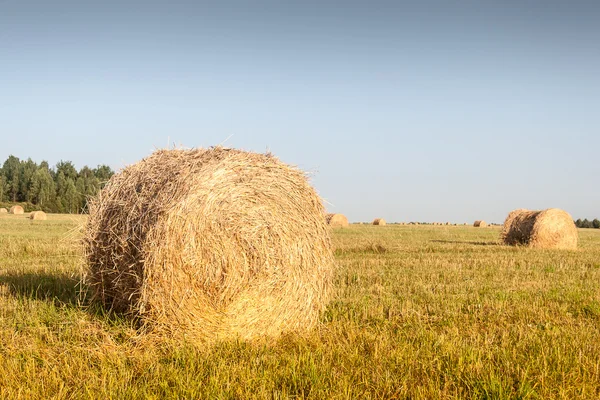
410,111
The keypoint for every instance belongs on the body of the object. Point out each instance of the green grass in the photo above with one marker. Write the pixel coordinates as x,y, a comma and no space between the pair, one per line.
419,312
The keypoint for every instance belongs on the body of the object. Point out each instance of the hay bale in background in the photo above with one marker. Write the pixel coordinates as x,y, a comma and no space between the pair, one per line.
38,215
17,210
548,229
480,224
3,210
379,221
336,220
208,244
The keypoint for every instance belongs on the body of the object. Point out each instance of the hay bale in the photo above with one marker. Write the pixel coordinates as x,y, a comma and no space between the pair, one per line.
3,210
379,221
480,224
336,220
18,210
207,244
548,229
38,215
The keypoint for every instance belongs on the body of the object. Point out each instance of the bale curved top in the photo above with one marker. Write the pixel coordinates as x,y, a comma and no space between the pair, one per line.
379,221
336,220
211,243
17,210
38,215
551,228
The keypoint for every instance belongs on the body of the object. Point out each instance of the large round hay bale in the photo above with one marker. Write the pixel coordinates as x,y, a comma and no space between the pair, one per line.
548,229
210,244
3,210
336,220
17,210
480,224
38,215
379,221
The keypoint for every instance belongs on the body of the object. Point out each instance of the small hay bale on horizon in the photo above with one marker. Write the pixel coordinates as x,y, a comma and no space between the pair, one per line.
38,216
336,220
552,228
17,210
379,221
208,244
480,224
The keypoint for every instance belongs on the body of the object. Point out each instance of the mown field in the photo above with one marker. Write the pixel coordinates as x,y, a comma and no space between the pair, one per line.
420,312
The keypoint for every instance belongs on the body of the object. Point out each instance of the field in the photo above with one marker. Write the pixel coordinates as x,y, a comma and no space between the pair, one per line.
431,312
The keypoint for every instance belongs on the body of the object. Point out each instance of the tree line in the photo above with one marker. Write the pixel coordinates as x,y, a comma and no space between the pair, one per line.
588,224
59,189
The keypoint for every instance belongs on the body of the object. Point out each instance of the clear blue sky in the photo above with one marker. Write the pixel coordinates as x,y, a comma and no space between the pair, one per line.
428,111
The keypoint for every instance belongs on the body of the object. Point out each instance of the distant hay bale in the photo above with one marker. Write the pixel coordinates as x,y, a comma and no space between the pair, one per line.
208,244
480,224
38,216
17,210
548,229
379,221
3,210
336,220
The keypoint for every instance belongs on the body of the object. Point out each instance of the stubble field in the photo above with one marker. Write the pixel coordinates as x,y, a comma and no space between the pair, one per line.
418,312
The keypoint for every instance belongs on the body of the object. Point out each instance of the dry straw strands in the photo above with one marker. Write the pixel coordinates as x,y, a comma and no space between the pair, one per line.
480,224
209,244
17,210
548,229
379,221
336,220
3,210
38,215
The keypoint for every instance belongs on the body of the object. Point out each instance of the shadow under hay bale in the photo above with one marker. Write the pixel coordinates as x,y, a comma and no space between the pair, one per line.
210,244
336,220
548,229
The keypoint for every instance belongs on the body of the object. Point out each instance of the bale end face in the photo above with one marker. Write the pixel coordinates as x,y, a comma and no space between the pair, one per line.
17,210
336,220
38,216
211,244
548,229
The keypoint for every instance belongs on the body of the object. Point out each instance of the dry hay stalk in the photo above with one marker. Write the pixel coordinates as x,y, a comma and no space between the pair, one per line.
17,210
3,210
336,220
38,215
379,221
548,229
480,224
208,244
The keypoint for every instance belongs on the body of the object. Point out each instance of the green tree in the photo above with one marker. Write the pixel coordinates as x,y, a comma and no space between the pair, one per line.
42,189
28,169
579,223
596,223
11,171
68,170
586,223
103,173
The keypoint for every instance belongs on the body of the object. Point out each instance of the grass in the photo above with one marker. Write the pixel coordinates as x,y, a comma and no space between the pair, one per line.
419,312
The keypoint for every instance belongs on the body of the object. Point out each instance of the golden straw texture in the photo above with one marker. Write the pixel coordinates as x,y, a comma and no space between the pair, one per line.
548,229
336,220
211,244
